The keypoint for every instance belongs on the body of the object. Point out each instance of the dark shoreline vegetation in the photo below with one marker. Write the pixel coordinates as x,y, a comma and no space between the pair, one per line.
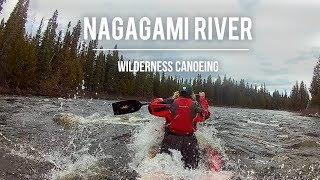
56,64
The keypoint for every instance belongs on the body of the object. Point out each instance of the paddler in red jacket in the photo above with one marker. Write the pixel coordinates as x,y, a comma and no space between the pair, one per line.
182,115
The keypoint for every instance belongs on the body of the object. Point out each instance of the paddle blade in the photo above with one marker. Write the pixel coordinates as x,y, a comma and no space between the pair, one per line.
126,107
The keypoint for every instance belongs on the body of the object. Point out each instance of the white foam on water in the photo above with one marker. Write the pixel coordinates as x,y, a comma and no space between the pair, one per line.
25,151
80,164
206,137
164,166
28,152
263,124
148,136
274,121
96,118
75,161
76,165
70,162
5,138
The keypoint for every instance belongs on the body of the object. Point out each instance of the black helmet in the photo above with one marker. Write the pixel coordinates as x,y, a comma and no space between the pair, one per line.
185,90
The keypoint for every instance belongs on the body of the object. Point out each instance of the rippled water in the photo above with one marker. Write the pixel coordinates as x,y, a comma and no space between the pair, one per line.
54,138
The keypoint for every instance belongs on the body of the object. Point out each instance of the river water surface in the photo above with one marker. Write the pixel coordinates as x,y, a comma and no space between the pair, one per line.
56,138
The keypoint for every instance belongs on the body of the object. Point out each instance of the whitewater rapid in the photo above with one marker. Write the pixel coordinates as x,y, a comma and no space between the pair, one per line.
57,138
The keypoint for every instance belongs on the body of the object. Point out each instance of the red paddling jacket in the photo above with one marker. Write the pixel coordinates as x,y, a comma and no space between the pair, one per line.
181,114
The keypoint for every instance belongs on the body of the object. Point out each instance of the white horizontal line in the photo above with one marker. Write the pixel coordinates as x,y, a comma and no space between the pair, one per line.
171,49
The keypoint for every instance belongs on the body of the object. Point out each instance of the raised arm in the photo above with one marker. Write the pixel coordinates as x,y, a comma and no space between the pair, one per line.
160,108
202,109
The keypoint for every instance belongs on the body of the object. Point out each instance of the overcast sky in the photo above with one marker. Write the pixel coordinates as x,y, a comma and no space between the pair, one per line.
286,34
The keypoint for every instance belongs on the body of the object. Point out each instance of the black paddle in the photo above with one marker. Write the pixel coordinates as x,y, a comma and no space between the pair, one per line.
127,106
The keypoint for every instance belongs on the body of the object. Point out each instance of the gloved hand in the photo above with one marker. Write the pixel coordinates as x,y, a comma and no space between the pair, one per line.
175,95
202,94
203,100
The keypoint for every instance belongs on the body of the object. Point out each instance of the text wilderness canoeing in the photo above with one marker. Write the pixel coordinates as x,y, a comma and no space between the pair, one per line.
169,28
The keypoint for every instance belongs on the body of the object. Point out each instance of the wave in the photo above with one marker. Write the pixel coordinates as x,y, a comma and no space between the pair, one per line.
305,144
263,124
69,119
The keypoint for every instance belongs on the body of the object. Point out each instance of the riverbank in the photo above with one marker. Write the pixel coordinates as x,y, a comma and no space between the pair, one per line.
84,94
313,111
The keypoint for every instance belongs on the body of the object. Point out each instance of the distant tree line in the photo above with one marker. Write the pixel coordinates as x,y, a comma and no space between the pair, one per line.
55,63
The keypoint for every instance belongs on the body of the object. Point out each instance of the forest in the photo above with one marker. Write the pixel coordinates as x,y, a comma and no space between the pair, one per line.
56,63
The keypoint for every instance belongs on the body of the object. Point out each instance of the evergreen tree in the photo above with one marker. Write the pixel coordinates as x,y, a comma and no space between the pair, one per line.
295,97
88,65
75,40
218,91
112,73
139,84
71,71
38,36
126,82
304,96
148,85
13,45
162,85
46,54
315,84
99,71
2,26
29,56
1,4
156,85
209,88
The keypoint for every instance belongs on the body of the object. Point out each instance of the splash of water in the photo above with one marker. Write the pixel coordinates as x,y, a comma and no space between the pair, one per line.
77,159
77,165
163,166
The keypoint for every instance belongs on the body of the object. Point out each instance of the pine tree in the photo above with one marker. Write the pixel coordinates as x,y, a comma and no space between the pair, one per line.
163,85
112,73
1,4
29,55
295,97
46,55
140,84
13,45
218,91
315,84
99,71
156,85
38,36
148,85
88,64
2,25
209,89
304,96
75,40
56,62
71,71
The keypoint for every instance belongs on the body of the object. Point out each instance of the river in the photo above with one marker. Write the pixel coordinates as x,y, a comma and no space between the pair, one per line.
56,138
